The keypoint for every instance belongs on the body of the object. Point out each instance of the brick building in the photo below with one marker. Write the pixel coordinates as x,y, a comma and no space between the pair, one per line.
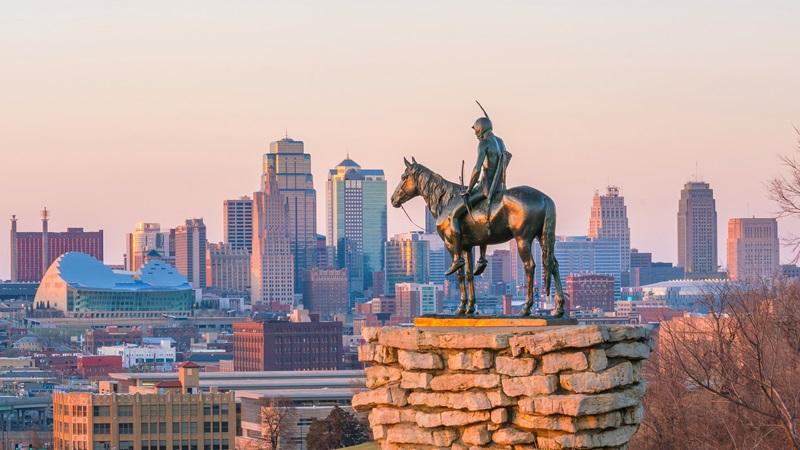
287,345
589,291
325,291
90,366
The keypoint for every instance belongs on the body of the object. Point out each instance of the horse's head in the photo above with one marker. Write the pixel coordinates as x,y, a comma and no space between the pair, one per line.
407,189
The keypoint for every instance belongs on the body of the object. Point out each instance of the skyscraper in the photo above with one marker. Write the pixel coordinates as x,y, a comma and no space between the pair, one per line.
753,248
292,167
609,220
325,292
272,263
430,222
144,239
407,258
237,223
228,269
697,229
581,255
33,252
190,251
357,220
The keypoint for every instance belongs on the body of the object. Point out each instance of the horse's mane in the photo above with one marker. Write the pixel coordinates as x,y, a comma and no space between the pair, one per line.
435,189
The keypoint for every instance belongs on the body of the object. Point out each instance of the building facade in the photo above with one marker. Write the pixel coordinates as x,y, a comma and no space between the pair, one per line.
697,229
286,345
407,259
586,292
148,237
292,167
166,416
581,255
272,262
416,299
228,269
82,287
237,223
753,249
609,220
190,251
325,292
357,224
33,252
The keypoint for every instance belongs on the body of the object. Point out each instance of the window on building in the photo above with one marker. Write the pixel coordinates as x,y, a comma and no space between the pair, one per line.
101,411
125,410
207,427
125,428
176,427
101,428
101,445
125,445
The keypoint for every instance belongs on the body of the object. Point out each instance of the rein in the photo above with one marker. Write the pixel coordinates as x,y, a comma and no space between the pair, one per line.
410,219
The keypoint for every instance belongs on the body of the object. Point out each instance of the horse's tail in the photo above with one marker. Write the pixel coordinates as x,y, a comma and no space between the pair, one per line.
548,243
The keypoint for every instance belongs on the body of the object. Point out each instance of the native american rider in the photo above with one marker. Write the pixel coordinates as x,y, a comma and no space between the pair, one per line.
485,188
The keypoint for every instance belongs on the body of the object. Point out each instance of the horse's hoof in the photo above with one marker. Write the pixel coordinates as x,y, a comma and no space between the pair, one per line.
471,311
526,311
461,311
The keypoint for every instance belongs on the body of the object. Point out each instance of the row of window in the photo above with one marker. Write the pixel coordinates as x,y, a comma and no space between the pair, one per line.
160,427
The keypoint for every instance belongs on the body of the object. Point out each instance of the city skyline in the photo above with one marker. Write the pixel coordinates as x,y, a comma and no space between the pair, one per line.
329,87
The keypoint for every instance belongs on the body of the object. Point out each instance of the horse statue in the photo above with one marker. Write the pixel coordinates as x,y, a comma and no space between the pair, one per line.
522,213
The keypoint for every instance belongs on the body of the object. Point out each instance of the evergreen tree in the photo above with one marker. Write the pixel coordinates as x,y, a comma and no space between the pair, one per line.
340,429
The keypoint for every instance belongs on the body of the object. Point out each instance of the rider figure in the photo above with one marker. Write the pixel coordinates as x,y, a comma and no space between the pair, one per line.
491,163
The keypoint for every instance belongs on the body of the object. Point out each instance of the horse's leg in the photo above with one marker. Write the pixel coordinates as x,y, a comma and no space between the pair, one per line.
482,262
462,287
524,250
470,280
559,302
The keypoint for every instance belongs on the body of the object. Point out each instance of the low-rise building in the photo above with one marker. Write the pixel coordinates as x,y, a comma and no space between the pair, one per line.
160,355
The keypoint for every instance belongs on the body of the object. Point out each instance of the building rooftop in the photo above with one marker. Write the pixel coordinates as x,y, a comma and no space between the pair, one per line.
80,270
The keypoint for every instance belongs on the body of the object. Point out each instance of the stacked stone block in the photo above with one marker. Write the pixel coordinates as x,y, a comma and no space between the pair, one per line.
504,388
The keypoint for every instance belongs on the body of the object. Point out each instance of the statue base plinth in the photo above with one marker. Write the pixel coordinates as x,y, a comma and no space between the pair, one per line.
445,321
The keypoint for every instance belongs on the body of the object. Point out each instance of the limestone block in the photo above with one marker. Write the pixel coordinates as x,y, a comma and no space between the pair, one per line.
515,367
411,434
557,338
461,418
472,339
381,375
472,401
597,359
582,404
593,439
462,382
512,436
415,380
567,423
556,362
428,420
405,338
499,416
379,432
387,395
591,382
618,333
476,435
531,385
382,415
630,350
634,415
370,334
498,398
414,360
376,353
470,360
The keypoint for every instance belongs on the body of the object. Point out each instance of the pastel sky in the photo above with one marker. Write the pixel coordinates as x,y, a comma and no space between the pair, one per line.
113,113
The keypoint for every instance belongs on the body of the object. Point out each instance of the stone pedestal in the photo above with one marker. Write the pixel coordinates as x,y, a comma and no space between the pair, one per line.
547,387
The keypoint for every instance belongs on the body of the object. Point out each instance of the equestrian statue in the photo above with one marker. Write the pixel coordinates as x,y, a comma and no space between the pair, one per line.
485,212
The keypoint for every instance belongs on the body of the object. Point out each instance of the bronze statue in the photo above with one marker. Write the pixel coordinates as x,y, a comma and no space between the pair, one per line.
485,213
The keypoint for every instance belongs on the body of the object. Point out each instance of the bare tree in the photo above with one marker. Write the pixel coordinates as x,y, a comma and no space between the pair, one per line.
729,379
277,420
785,191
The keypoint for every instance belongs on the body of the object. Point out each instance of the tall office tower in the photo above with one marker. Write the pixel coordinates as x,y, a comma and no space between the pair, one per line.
645,271
357,220
272,263
589,291
407,257
190,251
292,167
438,258
237,223
430,222
146,238
326,254
753,248
33,252
581,255
325,292
228,269
499,270
697,229
415,299
609,220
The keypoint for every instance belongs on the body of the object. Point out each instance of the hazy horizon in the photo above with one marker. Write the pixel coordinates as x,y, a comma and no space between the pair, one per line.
114,114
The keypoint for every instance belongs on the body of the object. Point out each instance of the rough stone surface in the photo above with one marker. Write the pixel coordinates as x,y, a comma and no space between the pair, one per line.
470,360
381,375
504,388
515,367
532,385
591,382
414,360
556,362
